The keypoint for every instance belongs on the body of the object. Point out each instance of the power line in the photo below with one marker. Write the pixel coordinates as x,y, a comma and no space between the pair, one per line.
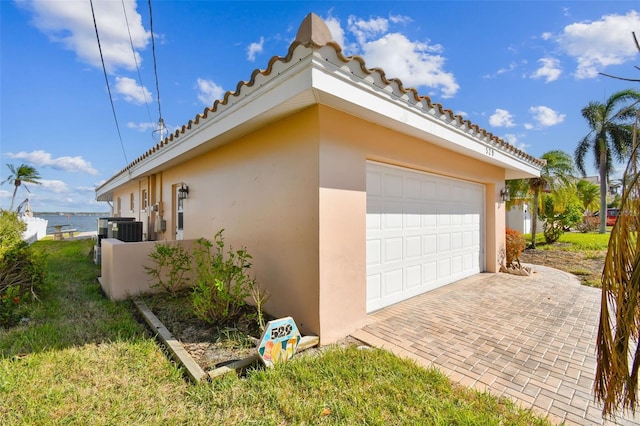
135,59
155,66
104,69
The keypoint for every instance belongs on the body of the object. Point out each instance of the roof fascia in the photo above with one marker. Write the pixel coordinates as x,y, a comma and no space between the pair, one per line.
348,88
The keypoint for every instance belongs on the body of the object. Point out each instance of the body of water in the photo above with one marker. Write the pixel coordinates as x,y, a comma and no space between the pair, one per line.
79,222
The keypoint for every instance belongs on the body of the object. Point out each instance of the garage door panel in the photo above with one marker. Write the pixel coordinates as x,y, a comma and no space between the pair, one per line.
374,287
374,183
413,277
429,244
413,246
393,186
429,189
444,268
429,272
425,231
392,250
392,282
413,189
374,252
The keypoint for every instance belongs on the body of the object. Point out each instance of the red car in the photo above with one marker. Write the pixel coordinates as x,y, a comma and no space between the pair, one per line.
612,215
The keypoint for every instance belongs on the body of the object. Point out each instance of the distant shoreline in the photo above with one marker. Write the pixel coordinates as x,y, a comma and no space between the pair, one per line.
105,214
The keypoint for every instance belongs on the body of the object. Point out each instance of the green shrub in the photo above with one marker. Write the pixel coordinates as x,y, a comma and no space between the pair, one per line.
22,271
222,282
172,264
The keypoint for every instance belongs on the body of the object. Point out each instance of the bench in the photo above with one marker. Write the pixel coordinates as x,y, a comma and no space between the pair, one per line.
59,234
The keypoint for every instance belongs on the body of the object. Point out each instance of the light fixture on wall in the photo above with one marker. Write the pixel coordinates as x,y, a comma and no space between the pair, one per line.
183,191
504,194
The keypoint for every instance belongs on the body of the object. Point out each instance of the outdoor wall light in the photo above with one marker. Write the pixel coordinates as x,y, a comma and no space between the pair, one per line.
504,194
183,191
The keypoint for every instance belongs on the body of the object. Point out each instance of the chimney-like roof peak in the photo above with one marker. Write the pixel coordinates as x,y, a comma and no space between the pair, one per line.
313,31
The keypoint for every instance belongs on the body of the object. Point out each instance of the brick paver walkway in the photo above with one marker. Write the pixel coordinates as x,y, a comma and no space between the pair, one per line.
531,339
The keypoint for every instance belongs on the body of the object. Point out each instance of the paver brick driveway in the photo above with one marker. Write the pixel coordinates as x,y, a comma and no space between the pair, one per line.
531,339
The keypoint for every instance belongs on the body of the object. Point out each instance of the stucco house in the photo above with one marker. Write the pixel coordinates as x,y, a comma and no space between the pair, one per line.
350,191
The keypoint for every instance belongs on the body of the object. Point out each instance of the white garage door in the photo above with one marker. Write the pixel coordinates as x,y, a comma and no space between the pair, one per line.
423,231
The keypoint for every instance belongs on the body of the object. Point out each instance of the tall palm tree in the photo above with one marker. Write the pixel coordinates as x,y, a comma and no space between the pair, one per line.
610,136
558,172
19,176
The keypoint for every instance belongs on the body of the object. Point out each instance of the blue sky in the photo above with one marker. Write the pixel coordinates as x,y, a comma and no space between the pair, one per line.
521,70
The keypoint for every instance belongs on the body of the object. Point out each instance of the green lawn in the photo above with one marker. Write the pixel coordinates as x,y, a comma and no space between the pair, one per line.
81,359
573,241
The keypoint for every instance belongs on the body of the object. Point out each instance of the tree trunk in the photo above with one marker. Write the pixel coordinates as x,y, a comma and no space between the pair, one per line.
603,190
534,216
13,199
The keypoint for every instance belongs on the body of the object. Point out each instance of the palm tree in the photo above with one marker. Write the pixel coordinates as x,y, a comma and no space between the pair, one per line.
557,172
610,135
589,194
23,174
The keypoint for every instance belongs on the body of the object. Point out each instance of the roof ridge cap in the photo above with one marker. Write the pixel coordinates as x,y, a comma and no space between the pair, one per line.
313,31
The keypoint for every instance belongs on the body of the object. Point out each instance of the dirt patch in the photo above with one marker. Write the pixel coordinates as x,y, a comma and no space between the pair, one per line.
586,266
209,345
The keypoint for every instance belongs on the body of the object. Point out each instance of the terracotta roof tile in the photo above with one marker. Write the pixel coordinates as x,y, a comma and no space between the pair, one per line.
314,33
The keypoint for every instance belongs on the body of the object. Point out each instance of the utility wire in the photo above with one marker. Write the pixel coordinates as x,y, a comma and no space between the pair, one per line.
135,59
155,66
104,69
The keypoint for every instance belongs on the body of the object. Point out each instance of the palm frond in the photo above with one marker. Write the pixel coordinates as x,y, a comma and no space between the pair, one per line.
618,344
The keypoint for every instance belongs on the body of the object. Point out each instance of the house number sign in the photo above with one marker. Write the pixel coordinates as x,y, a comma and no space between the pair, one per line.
279,341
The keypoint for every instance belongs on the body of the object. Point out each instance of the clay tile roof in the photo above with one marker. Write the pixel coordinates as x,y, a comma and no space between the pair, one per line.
315,34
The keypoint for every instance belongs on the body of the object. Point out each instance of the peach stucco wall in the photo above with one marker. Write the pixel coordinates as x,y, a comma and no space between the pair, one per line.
122,270
294,193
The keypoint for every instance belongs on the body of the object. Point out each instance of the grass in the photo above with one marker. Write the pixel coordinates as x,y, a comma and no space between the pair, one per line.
81,359
574,241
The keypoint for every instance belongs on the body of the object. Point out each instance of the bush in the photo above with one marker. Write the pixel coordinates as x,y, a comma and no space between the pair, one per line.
589,224
222,282
172,265
515,246
22,271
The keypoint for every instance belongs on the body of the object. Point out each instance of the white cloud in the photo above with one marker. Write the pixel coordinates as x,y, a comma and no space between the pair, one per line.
528,126
366,30
550,69
596,45
43,159
512,66
411,62
400,19
415,63
547,36
209,91
501,118
254,49
56,186
512,139
141,127
70,24
85,188
133,93
545,116
337,32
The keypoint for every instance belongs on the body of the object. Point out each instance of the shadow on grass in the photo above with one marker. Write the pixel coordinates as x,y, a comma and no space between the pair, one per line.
72,310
